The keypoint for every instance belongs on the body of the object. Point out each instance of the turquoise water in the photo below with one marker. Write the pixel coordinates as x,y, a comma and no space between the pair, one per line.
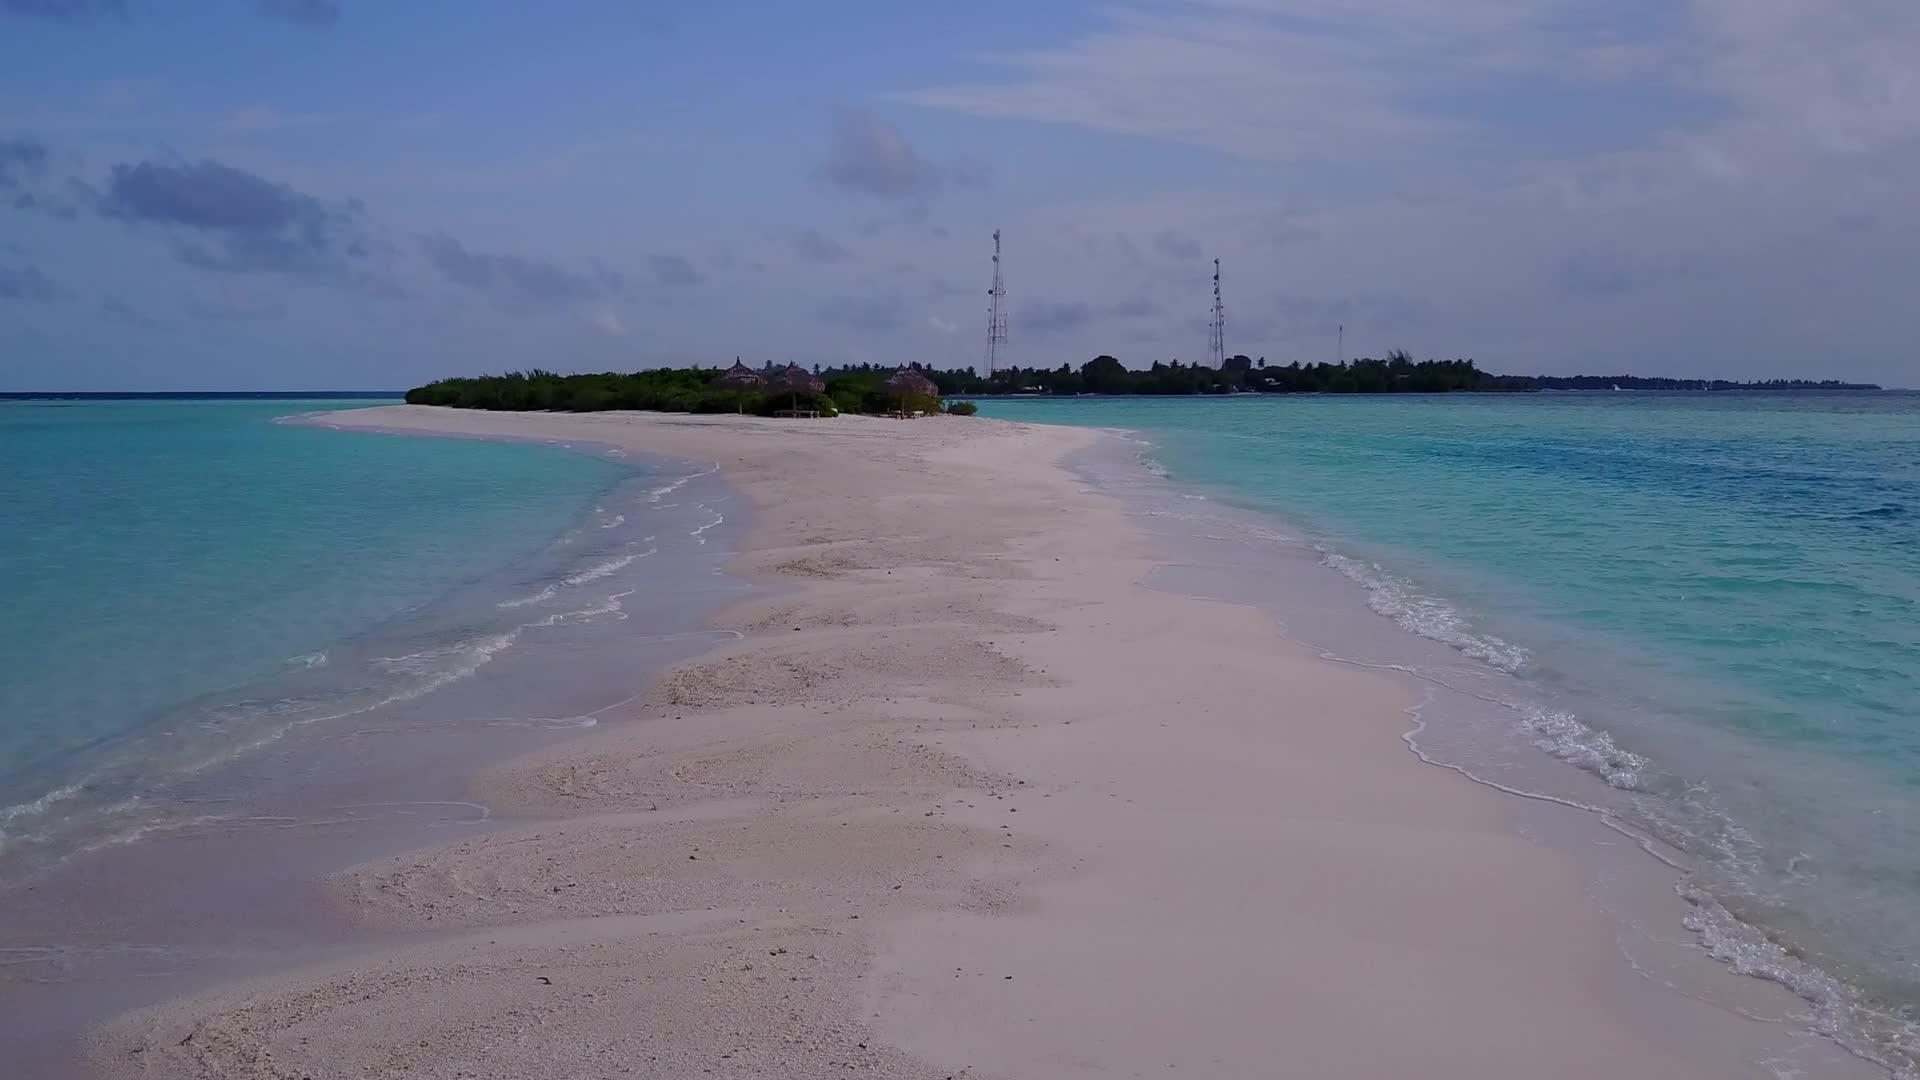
159,552
1712,602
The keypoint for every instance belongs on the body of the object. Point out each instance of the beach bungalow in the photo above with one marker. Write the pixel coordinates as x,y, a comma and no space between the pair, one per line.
904,385
794,381
741,379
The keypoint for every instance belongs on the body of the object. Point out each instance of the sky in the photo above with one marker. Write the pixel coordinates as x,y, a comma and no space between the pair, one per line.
349,194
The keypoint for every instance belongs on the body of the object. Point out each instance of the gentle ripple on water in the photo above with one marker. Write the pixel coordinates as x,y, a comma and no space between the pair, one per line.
191,582
1718,595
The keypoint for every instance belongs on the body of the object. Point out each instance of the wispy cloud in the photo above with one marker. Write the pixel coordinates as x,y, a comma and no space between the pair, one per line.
674,270
122,312
28,283
812,245
27,181
1176,245
22,161
229,219
1276,79
1690,186
1593,272
1281,233
1321,80
1043,318
1296,317
869,156
513,278
1554,153
864,312
608,322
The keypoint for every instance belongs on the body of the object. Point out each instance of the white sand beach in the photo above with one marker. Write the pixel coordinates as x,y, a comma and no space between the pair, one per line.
969,799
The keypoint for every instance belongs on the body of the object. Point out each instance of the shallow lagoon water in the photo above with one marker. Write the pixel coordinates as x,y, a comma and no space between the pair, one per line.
279,650
1696,613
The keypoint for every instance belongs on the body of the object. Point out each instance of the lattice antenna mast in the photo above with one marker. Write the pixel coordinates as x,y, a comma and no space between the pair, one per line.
996,314
1217,345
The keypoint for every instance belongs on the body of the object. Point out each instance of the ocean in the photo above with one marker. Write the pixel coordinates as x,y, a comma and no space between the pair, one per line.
215,622
1695,614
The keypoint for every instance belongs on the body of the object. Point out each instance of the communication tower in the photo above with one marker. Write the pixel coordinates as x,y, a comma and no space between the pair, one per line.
996,314
1217,345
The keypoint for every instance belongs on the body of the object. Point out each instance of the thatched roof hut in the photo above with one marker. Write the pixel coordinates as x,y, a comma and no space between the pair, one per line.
797,380
740,377
909,381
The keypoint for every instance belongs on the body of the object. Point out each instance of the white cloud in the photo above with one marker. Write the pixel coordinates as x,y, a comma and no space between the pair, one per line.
1671,186
1485,161
1294,80
1842,78
1347,84
608,322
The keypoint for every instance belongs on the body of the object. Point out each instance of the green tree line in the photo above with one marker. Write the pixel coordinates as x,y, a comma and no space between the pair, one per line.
856,388
687,390
1398,374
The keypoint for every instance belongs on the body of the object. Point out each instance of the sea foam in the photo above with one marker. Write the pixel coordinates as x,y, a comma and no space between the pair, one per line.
1429,616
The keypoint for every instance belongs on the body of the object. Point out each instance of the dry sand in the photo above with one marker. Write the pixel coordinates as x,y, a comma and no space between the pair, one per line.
967,800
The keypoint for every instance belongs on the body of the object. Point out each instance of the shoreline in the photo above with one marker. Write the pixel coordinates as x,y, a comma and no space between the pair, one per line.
1225,858
210,842
1543,704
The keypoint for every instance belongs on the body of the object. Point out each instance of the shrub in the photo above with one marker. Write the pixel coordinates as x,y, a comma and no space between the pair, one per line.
962,408
688,390
848,399
774,402
920,403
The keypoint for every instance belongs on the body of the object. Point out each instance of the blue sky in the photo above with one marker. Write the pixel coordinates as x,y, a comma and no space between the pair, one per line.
270,194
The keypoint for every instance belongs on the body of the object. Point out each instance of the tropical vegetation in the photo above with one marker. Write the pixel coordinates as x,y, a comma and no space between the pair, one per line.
1399,373
861,388
687,390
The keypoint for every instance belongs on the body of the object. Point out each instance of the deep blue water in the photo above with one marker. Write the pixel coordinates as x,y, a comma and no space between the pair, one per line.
1712,602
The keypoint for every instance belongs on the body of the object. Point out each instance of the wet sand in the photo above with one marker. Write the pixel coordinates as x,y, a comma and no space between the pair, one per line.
968,798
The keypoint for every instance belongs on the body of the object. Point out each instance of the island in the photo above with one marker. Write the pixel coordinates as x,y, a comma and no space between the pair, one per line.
864,388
